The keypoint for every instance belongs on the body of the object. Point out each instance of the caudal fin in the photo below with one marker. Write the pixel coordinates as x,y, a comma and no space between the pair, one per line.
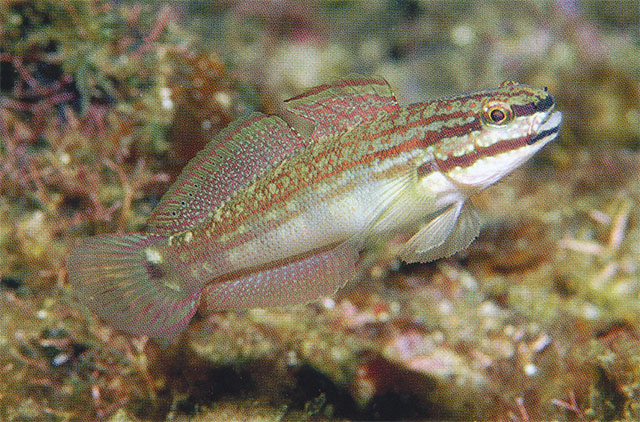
117,277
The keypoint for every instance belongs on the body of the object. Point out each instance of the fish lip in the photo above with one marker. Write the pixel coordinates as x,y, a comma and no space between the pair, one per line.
553,118
549,126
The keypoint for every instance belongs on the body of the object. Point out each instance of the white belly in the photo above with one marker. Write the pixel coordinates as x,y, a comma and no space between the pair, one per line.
328,220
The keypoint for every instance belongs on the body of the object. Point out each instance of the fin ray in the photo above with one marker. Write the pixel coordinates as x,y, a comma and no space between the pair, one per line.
448,233
238,154
109,275
340,106
393,206
302,280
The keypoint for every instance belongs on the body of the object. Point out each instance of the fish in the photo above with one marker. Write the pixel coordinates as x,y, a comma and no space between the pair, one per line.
263,217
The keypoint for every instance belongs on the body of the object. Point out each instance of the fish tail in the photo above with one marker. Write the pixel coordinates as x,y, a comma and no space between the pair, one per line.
125,281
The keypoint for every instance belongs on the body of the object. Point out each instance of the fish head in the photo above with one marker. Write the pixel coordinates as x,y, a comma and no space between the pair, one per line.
503,127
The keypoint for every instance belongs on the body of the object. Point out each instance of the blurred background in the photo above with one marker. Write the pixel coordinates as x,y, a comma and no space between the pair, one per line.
103,102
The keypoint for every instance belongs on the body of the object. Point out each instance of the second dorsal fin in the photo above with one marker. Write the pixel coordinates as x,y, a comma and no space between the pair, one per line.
241,152
338,107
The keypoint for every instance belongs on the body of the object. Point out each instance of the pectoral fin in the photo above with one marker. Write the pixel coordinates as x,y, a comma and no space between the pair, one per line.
448,233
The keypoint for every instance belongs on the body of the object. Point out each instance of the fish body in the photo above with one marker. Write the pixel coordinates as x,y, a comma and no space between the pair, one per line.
262,217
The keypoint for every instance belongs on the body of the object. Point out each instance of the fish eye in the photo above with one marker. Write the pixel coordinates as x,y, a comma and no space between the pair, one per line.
497,114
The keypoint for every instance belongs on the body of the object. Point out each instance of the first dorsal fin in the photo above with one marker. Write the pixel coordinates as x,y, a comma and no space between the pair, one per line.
338,107
239,154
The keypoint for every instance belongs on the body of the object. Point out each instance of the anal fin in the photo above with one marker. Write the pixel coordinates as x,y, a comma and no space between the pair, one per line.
448,233
302,279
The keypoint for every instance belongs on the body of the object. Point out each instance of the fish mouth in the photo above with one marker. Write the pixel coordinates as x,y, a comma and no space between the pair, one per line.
549,128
